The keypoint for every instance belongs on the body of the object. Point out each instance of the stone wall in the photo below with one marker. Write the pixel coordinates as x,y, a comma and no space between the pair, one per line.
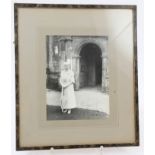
61,48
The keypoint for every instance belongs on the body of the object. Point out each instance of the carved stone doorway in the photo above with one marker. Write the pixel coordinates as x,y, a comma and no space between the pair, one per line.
90,74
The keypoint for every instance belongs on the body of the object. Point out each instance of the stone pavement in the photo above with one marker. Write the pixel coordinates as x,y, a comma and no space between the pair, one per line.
55,113
87,98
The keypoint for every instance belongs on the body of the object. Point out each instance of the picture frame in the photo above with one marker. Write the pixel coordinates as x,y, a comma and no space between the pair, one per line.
33,23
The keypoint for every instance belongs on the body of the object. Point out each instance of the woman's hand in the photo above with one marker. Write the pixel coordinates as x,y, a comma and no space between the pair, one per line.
65,86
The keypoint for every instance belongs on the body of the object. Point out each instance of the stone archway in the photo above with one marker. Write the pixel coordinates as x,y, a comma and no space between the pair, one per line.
103,54
90,66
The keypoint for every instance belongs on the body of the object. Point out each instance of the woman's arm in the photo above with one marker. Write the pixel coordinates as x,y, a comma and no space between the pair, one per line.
62,83
65,83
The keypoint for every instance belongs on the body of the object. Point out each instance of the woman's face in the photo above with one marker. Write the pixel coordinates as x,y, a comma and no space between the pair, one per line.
66,67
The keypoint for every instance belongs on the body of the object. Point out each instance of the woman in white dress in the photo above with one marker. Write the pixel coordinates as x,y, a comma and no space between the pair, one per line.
67,81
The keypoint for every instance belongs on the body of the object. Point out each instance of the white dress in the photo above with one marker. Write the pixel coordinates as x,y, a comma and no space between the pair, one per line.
68,100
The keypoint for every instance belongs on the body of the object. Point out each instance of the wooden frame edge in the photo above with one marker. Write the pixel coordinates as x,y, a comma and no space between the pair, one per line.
135,62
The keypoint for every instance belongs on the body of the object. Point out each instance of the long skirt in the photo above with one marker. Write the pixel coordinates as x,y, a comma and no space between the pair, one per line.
68,100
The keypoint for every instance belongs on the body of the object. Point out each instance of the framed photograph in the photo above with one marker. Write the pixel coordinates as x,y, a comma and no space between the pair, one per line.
76,76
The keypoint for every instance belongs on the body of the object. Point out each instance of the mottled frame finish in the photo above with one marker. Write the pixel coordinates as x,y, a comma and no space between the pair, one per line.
27,5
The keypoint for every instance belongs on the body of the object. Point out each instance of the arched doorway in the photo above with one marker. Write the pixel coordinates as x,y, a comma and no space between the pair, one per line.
90,66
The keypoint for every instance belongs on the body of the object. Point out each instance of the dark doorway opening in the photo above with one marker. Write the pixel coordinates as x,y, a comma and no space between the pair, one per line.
90,66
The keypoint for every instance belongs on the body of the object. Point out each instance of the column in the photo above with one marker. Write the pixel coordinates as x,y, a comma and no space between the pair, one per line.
105,78
50,64
50,53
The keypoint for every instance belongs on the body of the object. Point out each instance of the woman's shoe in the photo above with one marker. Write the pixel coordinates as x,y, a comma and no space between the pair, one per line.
69,112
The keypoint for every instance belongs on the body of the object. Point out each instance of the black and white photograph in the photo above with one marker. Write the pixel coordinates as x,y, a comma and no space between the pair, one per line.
76,72
77,79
